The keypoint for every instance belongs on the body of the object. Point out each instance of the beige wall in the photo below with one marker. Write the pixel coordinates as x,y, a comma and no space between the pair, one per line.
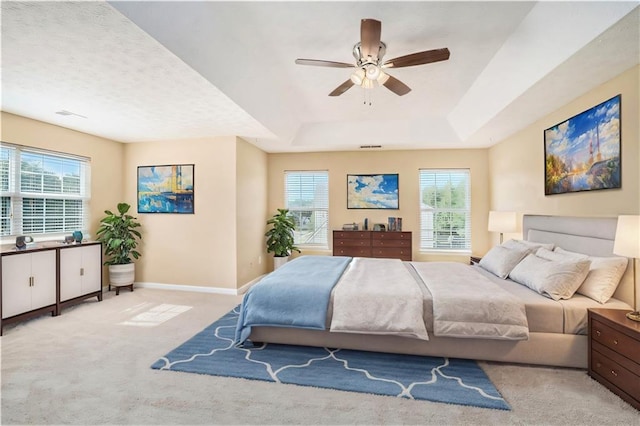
106,157
251,208
407,165
189,249
516,165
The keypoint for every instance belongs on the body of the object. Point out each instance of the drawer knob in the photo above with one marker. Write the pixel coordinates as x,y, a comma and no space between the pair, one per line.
615,341
598,365
613,372
597,332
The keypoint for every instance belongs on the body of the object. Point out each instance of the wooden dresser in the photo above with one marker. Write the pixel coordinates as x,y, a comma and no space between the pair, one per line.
387,244
614,353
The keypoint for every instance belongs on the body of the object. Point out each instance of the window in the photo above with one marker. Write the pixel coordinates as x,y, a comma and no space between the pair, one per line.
43,193
307,198
445,210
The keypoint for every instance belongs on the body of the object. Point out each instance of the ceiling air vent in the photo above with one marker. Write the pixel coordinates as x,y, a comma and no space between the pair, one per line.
370,146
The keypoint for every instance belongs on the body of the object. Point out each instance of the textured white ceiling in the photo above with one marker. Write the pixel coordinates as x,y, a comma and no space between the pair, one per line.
142,71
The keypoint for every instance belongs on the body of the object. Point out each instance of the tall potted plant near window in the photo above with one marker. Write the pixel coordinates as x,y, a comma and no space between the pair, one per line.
120,237
280,237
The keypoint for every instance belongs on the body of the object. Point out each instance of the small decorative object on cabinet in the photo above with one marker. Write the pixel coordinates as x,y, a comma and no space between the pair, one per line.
77,236
119,234
393,245
614,353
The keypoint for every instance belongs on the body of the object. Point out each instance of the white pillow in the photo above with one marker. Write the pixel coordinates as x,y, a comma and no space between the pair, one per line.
530,245
551,278
604,276
501,260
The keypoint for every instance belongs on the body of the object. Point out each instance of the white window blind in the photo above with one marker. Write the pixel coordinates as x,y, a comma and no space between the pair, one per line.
445,210
307,198
43,192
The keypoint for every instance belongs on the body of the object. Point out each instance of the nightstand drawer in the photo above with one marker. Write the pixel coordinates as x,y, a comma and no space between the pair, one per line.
614,340
615,373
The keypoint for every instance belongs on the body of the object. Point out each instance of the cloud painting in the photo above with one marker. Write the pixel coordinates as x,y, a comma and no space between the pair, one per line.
372,191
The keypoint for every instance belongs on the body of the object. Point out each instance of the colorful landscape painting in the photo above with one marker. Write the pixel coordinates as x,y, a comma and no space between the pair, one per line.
372,191
583,152
165,189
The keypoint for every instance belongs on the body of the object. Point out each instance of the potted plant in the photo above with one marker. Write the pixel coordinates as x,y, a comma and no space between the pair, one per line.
280,237
120,238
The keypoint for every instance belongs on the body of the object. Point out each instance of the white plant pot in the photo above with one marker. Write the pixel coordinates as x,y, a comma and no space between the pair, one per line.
120,275
279,261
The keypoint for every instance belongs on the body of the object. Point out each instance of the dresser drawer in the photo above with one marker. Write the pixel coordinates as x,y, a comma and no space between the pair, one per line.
615,373
390,243
615,340
392,253
351,243
352,251
391,235
352,235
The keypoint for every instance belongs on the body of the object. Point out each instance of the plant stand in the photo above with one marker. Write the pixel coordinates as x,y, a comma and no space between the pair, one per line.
118,287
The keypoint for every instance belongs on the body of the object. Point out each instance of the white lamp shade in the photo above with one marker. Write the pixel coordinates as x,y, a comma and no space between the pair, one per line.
503,222
358,76
627,242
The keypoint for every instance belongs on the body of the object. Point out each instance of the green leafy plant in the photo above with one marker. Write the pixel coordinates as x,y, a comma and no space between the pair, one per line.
280,236
118,234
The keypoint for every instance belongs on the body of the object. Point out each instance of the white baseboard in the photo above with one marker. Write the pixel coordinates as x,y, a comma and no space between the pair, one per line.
197,288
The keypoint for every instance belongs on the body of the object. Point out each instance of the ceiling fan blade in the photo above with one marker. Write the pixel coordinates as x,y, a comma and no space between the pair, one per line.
418,58
321,63
370,30
342,88
396,86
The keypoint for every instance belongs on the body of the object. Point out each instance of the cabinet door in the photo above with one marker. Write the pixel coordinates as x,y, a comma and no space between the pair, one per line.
16,288
43,271
70,278
80,271
91,268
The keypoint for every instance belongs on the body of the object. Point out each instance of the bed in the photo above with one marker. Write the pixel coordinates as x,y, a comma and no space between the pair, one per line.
556,332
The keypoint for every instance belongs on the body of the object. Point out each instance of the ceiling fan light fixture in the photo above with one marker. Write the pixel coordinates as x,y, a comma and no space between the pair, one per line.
382,78
358,77
369,84
373,72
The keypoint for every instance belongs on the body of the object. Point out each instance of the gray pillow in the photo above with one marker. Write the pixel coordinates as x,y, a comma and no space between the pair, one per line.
501,260
551,278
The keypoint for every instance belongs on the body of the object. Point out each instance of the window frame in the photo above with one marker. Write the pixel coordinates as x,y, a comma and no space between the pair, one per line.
323,210
425,240
35,192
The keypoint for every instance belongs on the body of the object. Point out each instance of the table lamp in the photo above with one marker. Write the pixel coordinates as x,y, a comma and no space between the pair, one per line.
503,222
627,243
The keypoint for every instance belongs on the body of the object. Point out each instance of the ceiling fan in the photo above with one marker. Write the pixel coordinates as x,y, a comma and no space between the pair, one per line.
370,67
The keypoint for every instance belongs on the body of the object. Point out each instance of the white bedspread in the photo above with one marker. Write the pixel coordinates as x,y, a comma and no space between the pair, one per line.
378,296
467,304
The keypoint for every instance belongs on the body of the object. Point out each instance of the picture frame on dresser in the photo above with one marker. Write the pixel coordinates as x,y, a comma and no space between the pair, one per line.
373,191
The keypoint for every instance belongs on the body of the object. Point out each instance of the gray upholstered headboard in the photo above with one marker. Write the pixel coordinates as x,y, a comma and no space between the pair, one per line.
589,235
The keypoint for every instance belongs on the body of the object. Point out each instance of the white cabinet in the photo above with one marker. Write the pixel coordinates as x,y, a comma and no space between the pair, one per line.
80,271
28,282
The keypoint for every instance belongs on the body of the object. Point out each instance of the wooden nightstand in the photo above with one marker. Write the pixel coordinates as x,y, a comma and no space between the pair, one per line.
614,353
474,260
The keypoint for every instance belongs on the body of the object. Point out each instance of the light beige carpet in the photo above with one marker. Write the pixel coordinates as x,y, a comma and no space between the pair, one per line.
91,365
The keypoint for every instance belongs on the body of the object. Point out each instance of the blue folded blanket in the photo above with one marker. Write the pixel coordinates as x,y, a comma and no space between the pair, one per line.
295,295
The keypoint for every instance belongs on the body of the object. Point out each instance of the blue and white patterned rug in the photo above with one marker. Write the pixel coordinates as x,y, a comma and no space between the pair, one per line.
449,380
